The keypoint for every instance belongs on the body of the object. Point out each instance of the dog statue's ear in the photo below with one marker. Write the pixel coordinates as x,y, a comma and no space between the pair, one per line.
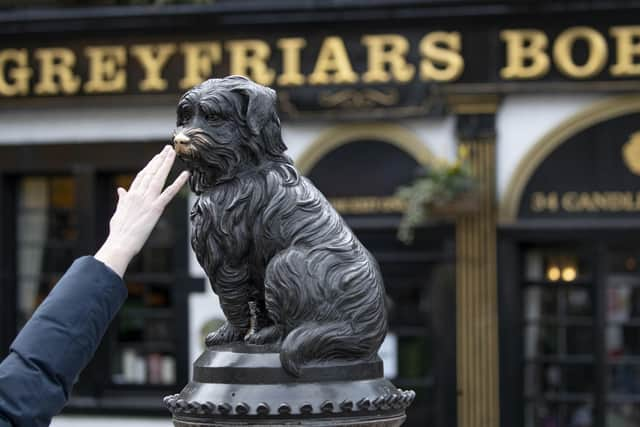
260,114
260,102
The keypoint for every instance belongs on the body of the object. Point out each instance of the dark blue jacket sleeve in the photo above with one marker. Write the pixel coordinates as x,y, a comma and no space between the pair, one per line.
56,344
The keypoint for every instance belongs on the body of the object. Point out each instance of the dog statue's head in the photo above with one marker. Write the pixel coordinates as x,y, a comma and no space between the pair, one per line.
226,127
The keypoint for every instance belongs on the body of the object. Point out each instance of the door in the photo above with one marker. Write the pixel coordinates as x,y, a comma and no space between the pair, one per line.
419,352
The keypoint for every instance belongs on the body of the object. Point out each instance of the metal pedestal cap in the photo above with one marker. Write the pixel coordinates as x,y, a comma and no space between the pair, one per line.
246,385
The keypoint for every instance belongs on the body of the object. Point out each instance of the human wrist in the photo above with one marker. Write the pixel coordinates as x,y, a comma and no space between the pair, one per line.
115,255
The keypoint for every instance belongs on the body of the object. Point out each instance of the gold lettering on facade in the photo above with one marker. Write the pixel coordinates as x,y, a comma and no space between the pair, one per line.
368,205
291,69
570,201
333,65
627,50
600,201
441,56
541,202
526,56
153,58
596,56
386,59
631,153
16,80
249,58
56,71
579,52
198,62
106,69
585,202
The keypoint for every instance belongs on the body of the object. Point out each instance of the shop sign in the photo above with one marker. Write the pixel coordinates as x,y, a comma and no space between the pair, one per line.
594,174
353,70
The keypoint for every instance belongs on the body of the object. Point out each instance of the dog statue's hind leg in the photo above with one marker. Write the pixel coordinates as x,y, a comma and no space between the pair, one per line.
262,330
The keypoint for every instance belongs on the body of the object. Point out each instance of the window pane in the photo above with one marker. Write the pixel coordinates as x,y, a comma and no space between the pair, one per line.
580,415
544,413
46,234
540,302
535,380
580,340
559,380
621,295
579,302
556,265
144,343
623,316
578,378
623,341
541,341
623,380
624,415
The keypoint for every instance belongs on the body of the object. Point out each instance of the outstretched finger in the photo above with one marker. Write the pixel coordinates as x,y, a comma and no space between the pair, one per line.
139,182
160,177
153,169
169,193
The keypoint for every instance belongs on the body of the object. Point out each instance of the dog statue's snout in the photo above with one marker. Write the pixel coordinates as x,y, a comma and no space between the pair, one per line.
181,139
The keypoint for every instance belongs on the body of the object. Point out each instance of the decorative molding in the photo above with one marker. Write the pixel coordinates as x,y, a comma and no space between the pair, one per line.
358,98
399,400
473,104
344,134
592,115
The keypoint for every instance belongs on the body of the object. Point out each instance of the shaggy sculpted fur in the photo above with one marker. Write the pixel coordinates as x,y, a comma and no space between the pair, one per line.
287,269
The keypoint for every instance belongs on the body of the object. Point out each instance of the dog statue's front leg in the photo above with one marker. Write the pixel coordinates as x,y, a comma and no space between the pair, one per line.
225,334
232,287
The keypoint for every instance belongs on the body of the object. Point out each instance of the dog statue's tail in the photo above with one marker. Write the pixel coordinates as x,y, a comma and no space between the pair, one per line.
321,342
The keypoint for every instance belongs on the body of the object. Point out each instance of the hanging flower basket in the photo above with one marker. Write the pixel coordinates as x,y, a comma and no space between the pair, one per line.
467,203
441,191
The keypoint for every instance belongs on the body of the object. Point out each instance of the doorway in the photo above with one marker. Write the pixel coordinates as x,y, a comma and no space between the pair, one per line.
420,285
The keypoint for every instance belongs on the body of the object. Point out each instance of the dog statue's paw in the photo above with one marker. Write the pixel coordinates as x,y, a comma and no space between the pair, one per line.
266,335
225,334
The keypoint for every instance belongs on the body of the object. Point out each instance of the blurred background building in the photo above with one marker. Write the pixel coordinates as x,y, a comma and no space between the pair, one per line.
520,309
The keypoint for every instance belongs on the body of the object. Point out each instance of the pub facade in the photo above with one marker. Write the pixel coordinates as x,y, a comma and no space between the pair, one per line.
524,310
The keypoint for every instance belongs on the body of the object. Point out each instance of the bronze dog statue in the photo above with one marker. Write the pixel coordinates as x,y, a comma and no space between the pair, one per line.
289,272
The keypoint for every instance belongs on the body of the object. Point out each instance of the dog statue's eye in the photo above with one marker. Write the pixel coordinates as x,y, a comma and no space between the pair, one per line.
184,116
212,117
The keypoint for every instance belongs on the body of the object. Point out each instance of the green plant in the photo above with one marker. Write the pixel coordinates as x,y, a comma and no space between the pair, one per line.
437,185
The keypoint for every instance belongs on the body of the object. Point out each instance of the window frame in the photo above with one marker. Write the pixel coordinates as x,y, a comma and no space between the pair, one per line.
88,164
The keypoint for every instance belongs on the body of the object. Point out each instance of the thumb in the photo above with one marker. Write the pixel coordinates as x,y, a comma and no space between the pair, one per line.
121,192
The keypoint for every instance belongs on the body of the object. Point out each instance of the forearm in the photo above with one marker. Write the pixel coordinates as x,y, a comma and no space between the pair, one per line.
57,343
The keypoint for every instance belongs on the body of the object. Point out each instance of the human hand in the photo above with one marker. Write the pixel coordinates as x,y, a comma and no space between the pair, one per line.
139,210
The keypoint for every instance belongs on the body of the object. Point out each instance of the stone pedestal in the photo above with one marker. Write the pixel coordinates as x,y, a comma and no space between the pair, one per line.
244,385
